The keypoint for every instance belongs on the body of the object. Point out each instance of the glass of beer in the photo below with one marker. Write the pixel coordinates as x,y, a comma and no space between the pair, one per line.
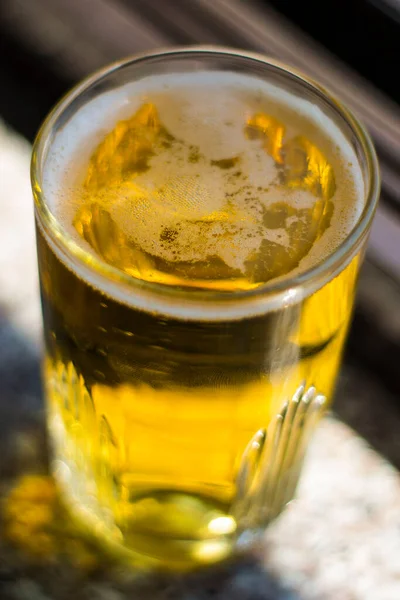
201,218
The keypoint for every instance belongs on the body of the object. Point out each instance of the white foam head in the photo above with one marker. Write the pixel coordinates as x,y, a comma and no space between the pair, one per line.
213,109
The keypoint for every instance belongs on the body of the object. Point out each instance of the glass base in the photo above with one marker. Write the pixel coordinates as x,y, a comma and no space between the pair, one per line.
155,525
164,529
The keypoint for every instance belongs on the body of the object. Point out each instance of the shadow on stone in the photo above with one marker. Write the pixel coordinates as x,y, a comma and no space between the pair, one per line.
243,579
240,580
22,429
363,403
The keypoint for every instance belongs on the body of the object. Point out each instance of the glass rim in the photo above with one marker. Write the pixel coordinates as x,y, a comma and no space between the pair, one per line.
204,304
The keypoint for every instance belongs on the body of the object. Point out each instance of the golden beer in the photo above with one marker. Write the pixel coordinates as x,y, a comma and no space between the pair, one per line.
183,298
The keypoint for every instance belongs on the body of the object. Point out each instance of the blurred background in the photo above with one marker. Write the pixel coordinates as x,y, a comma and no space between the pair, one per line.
351,46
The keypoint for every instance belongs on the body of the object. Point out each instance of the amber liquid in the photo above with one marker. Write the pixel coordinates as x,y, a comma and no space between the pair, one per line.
150,415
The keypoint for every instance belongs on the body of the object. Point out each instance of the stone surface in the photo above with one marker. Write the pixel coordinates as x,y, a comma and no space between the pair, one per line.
339,541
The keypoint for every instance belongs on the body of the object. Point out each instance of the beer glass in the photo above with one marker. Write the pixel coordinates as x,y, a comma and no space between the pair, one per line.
201,218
